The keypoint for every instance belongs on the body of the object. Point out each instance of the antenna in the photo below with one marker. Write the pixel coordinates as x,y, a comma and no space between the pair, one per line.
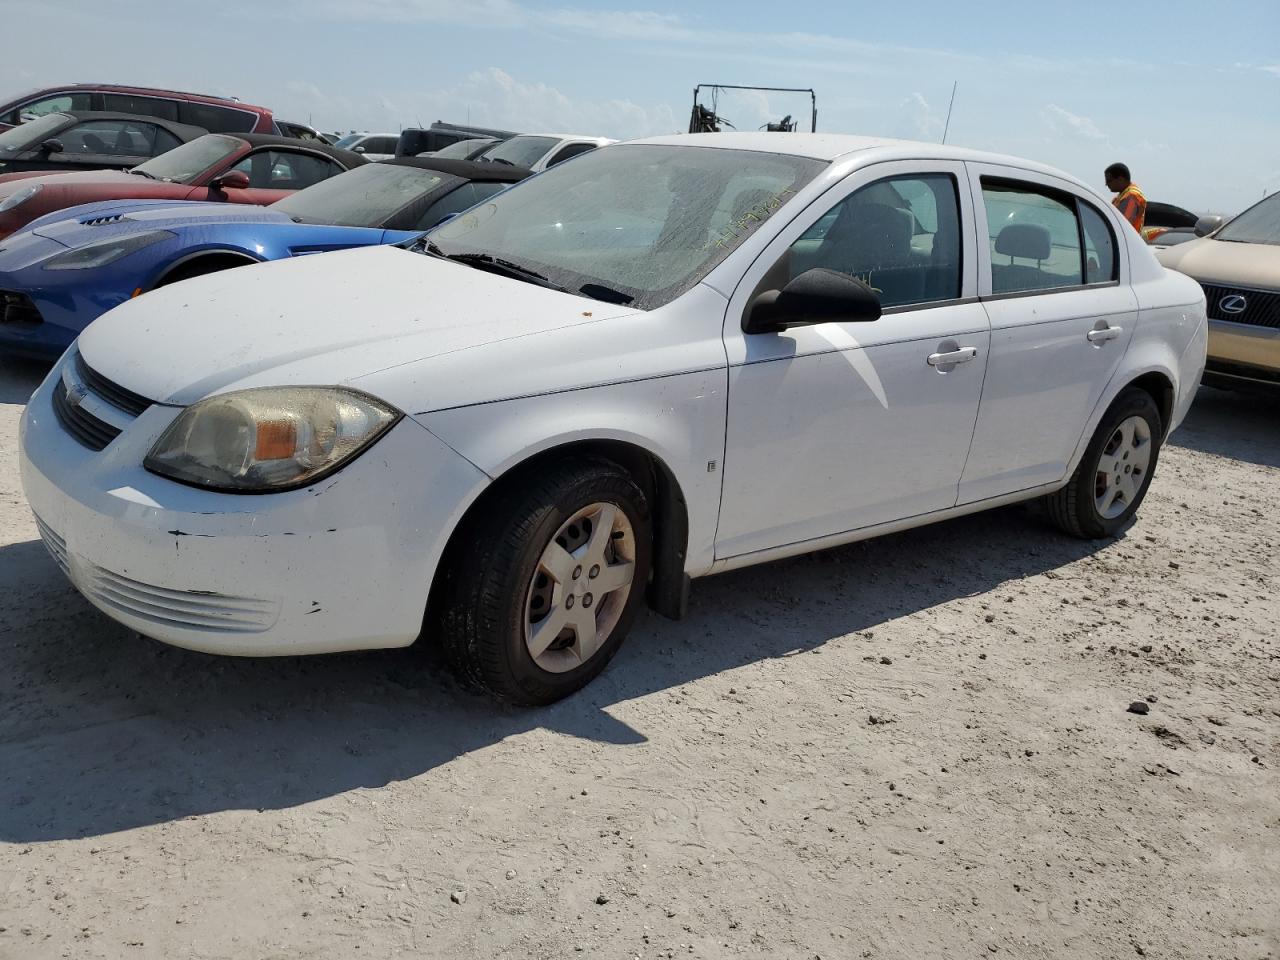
946,128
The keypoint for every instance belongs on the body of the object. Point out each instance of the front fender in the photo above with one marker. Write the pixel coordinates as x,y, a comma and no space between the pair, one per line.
678,419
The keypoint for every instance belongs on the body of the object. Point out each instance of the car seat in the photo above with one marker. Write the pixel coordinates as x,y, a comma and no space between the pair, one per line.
1022,241
872,241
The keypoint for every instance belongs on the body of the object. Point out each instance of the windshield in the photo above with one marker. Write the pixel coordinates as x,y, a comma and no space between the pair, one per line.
520,151
637,224
1259,224
364,197
460,150
348,140
24,137
183,164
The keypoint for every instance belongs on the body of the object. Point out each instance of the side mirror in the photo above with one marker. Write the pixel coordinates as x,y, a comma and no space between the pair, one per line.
52,145
1206,225
231,180
816,296
360,150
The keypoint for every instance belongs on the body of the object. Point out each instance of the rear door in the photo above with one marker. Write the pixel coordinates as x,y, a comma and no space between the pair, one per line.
1055,285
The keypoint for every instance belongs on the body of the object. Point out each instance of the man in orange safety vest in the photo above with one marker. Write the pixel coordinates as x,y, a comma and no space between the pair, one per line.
1129,199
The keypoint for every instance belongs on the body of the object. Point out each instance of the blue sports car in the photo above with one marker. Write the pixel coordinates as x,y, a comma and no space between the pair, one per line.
68,268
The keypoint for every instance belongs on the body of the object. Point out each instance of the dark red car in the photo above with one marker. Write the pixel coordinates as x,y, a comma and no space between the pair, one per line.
246,168
215,114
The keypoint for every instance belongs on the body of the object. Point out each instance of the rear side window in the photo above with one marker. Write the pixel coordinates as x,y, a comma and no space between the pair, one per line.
1100,260
1034,237
143,106
379,145
216,119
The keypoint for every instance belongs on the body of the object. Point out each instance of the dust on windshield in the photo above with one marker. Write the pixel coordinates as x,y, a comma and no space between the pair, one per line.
632,223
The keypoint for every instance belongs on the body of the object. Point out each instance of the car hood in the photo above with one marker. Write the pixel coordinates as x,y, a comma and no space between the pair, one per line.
1226,263
327,319
12,182
100,221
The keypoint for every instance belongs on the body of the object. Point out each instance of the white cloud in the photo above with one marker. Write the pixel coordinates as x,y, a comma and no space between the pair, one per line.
1274,69
490,98
1064,121
925,124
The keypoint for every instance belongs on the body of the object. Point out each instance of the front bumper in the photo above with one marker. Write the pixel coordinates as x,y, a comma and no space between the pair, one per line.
1243,355
343,565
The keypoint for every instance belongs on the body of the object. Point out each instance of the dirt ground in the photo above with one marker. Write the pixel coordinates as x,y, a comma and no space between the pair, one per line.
916,747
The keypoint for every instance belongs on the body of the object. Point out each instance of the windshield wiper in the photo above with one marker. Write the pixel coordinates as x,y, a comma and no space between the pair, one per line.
598,291
486,261
142,173
499,160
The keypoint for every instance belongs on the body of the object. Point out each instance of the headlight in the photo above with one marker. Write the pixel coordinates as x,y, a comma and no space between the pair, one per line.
105,251
273,438
19,198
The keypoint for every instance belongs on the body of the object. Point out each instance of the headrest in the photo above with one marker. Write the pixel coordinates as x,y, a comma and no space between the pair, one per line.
1027,241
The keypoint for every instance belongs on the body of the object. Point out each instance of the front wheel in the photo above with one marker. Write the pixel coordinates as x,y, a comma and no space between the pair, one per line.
545,582
1115,471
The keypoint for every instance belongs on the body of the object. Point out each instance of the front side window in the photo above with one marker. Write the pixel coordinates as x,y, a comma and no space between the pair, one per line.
637,223
1034,237
116,138
1259,224
901,236
569,152
520,151
183,164
364,197
29,136
464,198
285,170
60,103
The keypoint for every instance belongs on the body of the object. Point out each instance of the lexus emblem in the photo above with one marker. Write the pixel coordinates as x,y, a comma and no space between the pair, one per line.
75,395
1233,304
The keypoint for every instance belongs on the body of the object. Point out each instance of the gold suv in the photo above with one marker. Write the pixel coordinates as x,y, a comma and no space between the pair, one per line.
1238,264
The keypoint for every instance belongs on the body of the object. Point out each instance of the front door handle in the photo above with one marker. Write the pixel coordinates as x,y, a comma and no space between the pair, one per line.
952,357
1103,334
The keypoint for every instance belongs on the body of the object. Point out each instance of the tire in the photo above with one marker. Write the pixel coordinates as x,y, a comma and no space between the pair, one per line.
1115,471
499,578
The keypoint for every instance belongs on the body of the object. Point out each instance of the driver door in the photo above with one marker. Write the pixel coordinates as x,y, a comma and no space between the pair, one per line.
842,426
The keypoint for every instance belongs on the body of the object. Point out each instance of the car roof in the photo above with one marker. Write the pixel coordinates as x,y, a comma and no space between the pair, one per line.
834,146
212,98
184,130
348,157
568,136
466,169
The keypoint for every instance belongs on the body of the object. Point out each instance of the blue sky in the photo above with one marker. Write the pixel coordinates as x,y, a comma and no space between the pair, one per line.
1187,93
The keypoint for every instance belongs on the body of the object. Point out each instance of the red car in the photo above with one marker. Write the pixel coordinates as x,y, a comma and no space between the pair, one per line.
247,168
215,114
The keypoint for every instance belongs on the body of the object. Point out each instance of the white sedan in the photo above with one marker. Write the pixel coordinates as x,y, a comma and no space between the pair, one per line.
667,359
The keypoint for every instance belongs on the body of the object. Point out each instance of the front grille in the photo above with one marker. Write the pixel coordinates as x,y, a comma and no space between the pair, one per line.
80,423
116,395
18,308
188,609
1261,307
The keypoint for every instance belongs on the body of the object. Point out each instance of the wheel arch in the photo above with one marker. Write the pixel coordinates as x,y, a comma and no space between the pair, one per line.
1155,377
231,256
668,589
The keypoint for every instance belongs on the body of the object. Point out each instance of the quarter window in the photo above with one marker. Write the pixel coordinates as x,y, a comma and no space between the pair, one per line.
1100,264
216,119
900,235
1034,237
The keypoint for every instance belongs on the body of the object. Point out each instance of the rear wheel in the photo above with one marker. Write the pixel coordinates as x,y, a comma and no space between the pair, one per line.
545,582
1115,471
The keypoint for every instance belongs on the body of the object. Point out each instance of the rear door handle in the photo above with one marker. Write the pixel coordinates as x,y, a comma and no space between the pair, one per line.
952,357
1102,334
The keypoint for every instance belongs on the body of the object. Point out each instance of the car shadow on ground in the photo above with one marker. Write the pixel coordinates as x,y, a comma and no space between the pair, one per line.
103,731
19,378
1242,426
